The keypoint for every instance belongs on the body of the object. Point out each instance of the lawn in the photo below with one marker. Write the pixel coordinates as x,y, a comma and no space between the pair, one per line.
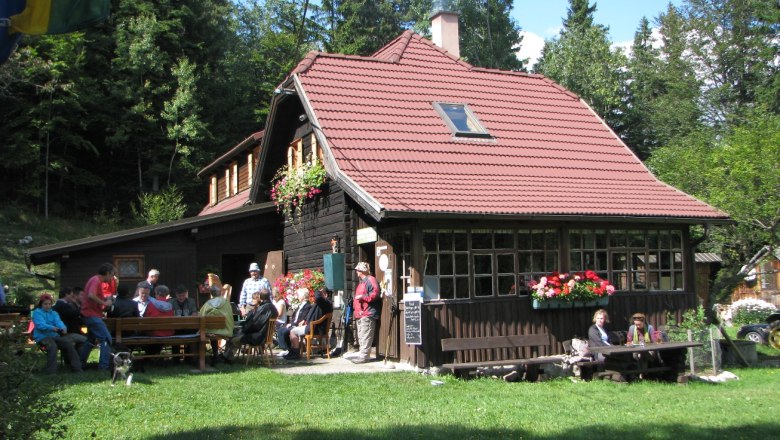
242,402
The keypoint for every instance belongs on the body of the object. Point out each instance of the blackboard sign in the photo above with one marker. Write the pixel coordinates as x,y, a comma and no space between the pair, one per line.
413,322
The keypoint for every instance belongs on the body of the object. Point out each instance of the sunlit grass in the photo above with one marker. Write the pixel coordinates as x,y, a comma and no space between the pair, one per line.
253,402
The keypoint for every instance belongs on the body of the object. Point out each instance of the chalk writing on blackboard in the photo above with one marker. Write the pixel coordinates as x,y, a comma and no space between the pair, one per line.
412,322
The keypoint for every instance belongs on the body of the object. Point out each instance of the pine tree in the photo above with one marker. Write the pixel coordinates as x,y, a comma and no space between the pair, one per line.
581,60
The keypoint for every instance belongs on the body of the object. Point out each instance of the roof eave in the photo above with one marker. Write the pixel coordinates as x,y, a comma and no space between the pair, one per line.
558,217
255,137
371,206
46,254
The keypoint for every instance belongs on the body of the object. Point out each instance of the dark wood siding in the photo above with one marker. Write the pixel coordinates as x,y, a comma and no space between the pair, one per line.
172,254
243,177
221,187
324,217
180,255
514,316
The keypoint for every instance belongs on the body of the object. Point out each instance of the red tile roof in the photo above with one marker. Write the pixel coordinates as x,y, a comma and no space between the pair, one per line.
227,204
551,155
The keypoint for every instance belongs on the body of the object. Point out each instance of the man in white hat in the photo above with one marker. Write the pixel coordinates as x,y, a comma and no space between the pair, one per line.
367,304
253,284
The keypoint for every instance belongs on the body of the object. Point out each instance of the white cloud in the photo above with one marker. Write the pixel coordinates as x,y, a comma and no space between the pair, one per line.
625,46
530,48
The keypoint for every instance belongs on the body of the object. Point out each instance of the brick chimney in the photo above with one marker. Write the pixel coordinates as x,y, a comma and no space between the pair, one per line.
444,27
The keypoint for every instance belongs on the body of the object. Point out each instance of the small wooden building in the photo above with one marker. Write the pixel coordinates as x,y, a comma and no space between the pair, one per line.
465,183
762,277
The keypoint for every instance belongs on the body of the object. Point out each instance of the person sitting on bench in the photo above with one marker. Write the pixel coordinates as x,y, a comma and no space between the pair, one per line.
218,306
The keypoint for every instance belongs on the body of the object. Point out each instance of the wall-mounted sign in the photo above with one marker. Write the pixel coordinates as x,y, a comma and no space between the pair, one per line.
366,235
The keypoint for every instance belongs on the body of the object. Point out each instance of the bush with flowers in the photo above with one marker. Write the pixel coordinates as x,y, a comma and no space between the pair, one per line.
291,188
579,286
309,279
751,311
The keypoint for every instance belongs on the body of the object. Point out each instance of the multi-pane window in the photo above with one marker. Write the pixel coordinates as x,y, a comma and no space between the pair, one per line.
493,257
484,263
446,273
632,259
537,253
402,248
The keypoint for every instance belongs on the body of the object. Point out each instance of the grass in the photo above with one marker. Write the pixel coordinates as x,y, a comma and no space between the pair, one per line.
248,403
24,285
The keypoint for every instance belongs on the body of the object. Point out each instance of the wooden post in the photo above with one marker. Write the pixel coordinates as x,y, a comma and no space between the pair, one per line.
690,353
714,358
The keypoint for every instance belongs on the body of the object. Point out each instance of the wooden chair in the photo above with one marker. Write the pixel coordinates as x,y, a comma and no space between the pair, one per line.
321,341
227,291
266,349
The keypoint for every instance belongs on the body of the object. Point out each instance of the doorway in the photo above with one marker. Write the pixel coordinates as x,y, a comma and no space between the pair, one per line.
235,269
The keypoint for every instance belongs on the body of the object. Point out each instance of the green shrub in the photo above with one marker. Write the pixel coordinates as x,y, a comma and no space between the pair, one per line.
695,321
27,408
750,311
165,206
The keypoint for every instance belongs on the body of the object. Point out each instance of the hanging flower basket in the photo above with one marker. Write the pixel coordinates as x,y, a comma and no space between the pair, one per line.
565,291
292,188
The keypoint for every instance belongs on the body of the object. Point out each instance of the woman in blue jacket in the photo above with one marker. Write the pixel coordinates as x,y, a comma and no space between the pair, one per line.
50,333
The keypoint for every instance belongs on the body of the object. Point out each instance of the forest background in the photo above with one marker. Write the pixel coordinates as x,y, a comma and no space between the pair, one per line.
112,123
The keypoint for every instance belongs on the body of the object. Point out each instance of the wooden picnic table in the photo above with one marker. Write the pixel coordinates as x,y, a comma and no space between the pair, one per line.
665,360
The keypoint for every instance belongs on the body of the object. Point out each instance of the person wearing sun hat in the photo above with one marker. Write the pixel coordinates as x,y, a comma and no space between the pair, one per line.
367,304
49,332
254,283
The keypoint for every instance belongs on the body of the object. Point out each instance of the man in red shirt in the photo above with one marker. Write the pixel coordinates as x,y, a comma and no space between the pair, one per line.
92,305
367,304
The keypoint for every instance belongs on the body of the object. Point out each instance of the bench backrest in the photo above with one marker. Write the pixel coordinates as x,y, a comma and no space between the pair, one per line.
194,323
490,343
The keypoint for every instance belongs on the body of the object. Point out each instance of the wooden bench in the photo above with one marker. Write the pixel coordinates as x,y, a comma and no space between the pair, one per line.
470,348
131,332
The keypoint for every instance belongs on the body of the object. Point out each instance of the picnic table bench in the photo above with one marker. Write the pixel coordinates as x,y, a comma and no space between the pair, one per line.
621,361
133,332
484,347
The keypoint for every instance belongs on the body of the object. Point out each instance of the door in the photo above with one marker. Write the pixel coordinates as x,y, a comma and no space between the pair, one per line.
385,273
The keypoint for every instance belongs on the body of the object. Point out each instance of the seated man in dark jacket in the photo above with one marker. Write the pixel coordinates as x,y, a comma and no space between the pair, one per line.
322,306
124,306
254,329
69,309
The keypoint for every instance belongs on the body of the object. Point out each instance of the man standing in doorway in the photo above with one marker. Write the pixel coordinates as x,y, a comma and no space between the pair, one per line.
254,283
367,303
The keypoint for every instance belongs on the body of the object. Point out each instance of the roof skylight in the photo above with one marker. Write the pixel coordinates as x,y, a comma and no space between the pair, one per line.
460,120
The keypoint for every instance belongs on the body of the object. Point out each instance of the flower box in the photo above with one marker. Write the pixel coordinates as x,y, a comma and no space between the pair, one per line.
561,304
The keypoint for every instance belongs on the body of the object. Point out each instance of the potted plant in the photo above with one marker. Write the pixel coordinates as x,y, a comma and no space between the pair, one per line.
293,187
565,290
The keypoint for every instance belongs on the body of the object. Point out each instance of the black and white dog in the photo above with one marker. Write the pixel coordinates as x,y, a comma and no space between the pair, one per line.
122,363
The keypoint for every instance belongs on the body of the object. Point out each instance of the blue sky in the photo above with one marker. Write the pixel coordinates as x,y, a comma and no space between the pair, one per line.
541,19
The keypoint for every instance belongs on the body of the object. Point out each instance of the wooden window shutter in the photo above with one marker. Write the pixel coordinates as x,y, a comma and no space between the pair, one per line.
213,190
295,154
250,162
227,182
234,178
